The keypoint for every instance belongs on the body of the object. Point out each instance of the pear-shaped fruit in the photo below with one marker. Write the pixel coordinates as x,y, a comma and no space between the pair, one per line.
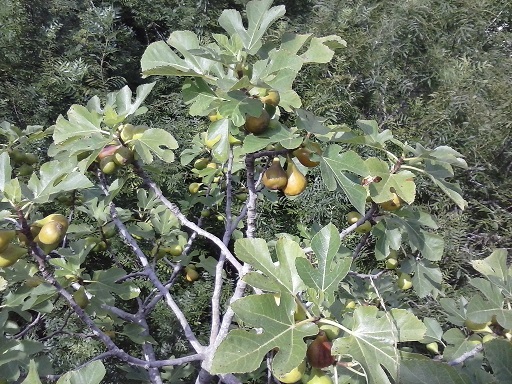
303,154
391,263
331,331
61,219
123,156
191,274
478,327
319,352
52,232
200,164
107,165
193,188
215,116
353,216
258,124
364,228
275,176
433,348
11,255
17,156
129,132
297,183
393,204
80,297
272,98
404,281
30,158
174,249
294,375
350,305
317,376
25,170
6,236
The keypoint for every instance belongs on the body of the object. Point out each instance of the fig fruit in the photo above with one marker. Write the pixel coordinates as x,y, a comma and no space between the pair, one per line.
433,348
215,116
294,375
11,254
25,170
303,154
404,281
478,327
258,124
80,297
123,156
331,331
275,176
319,352
271,98
52,232
61,219
6,236
193,188
174,249
30,158
191,274
317,376
297,183
107,165
393,204
391,263
200,164
129,132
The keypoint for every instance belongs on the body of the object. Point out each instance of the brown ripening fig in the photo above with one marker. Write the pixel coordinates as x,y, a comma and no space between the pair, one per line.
109,150
275,177
297,182
303,154
319,352
258,124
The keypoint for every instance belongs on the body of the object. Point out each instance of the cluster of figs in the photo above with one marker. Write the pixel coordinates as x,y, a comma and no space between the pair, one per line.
23,162
291,181
47,233
119,152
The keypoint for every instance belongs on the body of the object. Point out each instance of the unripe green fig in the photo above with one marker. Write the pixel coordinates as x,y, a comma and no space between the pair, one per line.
393,204
488,337
205,213
25,170
391,263
319,352
191,274
352,217
52,232
80,297
433,348
17,156
108,165
478,327
123,156
331,331
11,254
193,188
317,376
258,124
174,249
297,182
364,228
404,281
129,132
215,116
30,158
6,236
294,375
350,305
275,176
201,164
272,98
61,219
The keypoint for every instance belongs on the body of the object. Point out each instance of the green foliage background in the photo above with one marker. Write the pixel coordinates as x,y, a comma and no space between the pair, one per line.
434,71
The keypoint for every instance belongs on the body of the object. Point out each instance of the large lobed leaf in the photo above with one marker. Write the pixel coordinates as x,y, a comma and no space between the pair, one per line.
373,337
242,351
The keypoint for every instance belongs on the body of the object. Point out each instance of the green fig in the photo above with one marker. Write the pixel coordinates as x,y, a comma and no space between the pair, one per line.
201,163
25,170
123,156
294,375
30,158
108,165
317,376
275,176
6,236
80,297
272,98
303,154
52,232
61,219
11,255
